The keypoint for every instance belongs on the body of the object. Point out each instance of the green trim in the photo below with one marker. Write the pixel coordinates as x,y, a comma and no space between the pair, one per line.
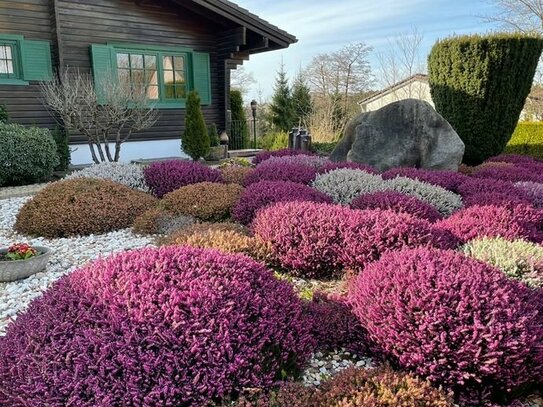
17,82
15,42
152,48
11,37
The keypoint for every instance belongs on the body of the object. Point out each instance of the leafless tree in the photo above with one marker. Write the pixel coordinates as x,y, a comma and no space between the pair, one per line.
518,15
242,80
110,116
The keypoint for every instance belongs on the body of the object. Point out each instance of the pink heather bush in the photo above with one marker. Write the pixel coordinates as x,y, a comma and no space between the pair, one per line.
533,190
166,176
314,161
397,202
264,155
496,199
333,165
510,222
174,326
445,179
264,193
513,159
474,186
371,233
270,171
306,238
334,326
531,173
452,319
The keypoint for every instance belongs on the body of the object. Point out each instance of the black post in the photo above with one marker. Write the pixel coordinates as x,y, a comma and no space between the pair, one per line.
253,108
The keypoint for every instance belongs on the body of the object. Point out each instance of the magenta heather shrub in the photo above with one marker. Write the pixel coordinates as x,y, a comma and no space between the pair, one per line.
533,190
496,199
335,165
307,238
264,155
264,193
166,176
397,202
270,171
371,233
334,326
452,319
509,222
474,186
314,161
156,327
513,159
445,179
515,173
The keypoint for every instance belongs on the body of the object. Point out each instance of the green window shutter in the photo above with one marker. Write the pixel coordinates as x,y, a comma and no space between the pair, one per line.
202,77
103,68
36,60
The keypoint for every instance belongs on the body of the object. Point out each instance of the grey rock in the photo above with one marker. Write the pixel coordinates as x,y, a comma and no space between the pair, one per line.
407,133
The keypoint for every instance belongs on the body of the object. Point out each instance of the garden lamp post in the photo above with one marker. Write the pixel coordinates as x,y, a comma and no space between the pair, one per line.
253,108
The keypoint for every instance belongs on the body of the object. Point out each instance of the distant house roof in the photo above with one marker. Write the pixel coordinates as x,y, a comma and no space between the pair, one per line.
414,78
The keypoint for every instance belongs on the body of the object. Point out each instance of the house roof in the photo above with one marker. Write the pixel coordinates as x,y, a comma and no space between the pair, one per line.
414,78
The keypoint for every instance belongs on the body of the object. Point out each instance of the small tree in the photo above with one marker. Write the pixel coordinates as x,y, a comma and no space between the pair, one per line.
3,114
213,133
195,139
282,112
479,84
301,99
111,115
239,130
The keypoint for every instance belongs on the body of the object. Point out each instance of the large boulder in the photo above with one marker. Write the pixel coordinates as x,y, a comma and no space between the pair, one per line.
407,133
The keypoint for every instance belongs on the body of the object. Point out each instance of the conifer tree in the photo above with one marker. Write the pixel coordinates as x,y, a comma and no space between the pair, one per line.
195,139
301,99
282,110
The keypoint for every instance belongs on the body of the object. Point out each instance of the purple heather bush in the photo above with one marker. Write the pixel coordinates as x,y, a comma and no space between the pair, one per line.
167,176
314,161
371,233
475,186
445,179
516,173
336,165
174,326
510,222
271,171
496,199
264,155
452,319
533,190
264,193
514,159
397,202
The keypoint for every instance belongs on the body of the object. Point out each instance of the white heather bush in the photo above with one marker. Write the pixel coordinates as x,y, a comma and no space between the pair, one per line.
518,259
345,184
444,201
130,175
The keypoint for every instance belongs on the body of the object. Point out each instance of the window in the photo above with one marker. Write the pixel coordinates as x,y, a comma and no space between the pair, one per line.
23,60
167,74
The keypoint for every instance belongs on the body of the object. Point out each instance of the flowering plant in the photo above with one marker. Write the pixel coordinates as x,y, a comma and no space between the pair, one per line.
20,251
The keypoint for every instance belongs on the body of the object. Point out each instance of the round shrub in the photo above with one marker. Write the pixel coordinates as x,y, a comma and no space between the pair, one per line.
509,173
345,184
399,203
130,175
510,222
271,171
314,161
533,190
518,259
169,326
444,201
202,228
158,221
513,159
305,237
81,206
27,154
166,176
445,179
206,201
264,193
336,165
451,319
496,199
235,174
475,186
370,234
264,155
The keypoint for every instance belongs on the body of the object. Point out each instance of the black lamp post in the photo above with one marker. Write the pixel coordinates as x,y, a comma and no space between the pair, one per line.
253,108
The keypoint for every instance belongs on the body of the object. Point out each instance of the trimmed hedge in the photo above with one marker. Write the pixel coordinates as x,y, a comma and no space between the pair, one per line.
173,326
81,206
452,319
471,77
27,155
527,139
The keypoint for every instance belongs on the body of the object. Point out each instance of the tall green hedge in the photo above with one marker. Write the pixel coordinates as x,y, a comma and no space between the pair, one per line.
479,84
195,141
527,139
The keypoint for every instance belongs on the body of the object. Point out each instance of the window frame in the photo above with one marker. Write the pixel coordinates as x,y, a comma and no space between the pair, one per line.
160,52
15,41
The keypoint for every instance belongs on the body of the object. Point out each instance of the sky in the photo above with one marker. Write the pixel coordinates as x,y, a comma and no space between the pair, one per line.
327,25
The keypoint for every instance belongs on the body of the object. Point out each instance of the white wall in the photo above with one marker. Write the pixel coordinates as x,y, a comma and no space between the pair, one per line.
132,150
414,90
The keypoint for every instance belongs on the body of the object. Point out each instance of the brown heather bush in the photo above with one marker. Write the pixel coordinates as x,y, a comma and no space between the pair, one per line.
207,201
235,174
81,206
157,221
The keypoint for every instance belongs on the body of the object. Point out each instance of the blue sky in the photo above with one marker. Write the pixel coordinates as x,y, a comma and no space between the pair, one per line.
327,25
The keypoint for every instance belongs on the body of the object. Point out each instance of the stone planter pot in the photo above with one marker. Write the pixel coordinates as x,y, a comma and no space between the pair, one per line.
13,270
217,153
